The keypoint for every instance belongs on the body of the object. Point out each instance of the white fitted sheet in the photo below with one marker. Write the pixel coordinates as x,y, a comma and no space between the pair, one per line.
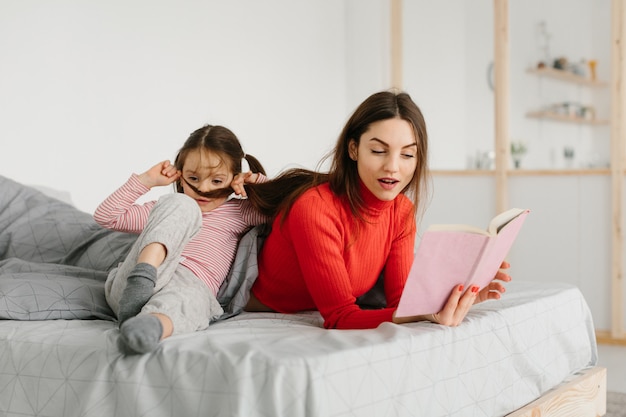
504,355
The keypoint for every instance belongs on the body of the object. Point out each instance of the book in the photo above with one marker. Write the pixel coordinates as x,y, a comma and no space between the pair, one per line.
452,254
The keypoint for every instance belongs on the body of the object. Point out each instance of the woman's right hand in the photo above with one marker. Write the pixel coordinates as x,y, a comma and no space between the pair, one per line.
163,173
457,306
453,312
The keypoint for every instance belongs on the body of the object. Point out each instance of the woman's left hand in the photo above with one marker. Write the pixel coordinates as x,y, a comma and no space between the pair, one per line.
495,289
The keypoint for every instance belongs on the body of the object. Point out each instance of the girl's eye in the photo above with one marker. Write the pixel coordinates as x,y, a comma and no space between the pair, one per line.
408,155
192,178
377,151
218,182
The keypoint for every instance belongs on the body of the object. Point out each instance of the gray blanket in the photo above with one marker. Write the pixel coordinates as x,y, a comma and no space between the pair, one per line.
54,260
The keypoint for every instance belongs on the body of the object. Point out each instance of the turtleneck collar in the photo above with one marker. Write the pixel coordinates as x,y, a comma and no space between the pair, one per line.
372,204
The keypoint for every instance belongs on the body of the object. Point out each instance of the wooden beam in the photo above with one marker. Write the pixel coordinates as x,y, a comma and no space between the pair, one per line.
604,337
396,44
502,101
583,396
618,155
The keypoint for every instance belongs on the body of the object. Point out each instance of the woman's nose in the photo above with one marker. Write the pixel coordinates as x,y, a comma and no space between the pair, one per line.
391,163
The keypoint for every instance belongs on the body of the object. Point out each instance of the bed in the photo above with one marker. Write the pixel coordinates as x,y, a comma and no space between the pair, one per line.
533,353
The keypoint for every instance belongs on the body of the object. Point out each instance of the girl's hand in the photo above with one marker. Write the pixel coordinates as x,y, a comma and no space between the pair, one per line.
237,184
163,173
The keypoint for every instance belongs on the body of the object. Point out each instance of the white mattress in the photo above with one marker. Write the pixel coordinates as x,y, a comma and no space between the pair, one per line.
504,355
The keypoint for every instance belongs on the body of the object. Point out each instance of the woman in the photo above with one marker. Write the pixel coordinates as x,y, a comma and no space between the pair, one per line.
336,233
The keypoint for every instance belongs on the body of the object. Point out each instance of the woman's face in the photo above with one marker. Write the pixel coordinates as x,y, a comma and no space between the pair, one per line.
386,157
206,171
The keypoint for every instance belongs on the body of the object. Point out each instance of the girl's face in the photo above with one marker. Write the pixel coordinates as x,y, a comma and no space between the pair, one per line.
207,172
386,157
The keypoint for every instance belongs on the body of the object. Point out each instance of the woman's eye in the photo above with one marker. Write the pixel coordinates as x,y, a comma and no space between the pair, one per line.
408,155
377,151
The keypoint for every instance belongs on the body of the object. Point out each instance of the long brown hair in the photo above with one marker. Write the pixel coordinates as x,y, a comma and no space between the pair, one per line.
279,194
224,143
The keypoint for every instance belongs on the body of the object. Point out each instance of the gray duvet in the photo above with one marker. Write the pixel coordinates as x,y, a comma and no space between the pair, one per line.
54,259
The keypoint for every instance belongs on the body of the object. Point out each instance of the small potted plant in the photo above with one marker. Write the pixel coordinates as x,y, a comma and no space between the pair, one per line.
518,150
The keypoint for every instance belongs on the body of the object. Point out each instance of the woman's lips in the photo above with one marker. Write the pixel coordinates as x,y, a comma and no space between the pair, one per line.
388,183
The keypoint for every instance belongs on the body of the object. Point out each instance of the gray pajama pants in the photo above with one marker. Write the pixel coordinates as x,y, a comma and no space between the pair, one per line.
178,293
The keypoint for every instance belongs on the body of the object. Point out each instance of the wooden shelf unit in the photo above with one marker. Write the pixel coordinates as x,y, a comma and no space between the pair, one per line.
502,171
567,76
523,172
617,170
565,118
617,333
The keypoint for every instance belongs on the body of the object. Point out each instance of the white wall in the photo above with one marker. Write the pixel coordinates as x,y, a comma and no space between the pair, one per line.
434,74
91,91
448,48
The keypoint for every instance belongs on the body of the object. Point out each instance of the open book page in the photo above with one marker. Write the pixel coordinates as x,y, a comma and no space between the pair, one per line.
444,259
496,251
503,219
448,257
494,225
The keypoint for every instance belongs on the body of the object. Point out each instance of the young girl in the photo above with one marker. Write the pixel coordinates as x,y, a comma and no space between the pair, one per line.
188,240
337,232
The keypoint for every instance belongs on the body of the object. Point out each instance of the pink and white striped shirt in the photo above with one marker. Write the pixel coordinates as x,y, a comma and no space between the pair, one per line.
211,252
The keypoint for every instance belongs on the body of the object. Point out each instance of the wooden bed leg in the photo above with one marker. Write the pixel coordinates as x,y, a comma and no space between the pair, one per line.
583,396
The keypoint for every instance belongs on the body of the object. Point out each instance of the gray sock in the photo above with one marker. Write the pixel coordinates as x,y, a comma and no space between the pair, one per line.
139,288
140,334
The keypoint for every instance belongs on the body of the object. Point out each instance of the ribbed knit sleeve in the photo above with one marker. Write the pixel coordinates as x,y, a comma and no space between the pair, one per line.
322,258
118,211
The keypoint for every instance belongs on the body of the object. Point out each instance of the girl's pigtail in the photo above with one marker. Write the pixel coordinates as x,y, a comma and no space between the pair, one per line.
254,164
256,196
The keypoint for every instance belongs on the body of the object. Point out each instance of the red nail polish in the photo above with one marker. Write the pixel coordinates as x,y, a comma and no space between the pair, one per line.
460,288
474,289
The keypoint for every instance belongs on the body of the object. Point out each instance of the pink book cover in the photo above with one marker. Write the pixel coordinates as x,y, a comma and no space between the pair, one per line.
447,257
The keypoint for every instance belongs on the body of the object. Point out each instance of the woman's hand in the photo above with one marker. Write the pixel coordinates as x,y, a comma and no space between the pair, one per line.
163,173
494,290
459,302
454,311
457,306
237,184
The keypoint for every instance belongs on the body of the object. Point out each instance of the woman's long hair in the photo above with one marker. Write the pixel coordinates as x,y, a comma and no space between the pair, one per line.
279,194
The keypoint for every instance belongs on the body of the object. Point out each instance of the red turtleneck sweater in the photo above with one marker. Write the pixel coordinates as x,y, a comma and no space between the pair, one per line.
322,257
